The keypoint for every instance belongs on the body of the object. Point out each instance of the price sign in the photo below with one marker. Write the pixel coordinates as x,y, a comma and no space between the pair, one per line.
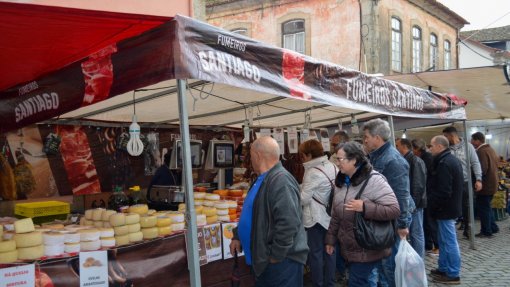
23,275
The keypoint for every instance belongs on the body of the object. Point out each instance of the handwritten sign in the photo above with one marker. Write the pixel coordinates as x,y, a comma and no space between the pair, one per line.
23,275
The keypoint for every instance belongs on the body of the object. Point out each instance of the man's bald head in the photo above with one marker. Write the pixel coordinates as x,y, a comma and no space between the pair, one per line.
265,153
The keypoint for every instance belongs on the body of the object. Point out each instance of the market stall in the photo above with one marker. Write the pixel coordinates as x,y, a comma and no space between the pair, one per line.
99,85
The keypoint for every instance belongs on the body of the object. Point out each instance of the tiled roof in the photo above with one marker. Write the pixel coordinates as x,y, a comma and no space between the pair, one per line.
491,34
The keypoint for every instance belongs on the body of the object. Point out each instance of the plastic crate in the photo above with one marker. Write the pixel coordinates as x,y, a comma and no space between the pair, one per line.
43,208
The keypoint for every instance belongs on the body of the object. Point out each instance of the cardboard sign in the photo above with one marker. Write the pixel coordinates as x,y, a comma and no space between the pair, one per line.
227,235
202,255
212,240
23,275
93,269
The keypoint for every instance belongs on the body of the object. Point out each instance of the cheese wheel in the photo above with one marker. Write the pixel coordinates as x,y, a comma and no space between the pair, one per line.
212,219
183,205
177,217
105,216
72,247
135,236
165,230
28,239
199,202
224,218
53,226
117,219
75,228
199,209
89,222
54,250
201,219
88,214
232,211
9,256
72,237
106,232
199,195
132,218
31,253
121,230
108,242
232,204
148,221
90,245
151,211
222,211
209,211
97,214
209,203
53,238
24,225
212,196
139,208
89,235
177,226
222,204
8,245
107,224
121,240
132,228
163,221
98,224
233,217
150,233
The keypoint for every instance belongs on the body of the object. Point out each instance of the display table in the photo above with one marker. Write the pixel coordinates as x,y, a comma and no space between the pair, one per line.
158,262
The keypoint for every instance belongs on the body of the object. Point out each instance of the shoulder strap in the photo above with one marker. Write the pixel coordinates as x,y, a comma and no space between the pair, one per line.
330,182
358,196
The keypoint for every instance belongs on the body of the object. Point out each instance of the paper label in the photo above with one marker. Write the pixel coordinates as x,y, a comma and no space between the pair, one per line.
23,275
279,136
292,139
265,132
212,239
94,269
305,133
227,235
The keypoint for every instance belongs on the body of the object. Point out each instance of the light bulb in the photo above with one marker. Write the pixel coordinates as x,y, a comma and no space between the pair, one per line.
134,145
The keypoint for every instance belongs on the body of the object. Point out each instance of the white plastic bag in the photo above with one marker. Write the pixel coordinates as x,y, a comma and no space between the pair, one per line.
410,269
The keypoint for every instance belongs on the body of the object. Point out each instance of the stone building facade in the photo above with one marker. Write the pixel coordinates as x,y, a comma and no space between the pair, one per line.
373,36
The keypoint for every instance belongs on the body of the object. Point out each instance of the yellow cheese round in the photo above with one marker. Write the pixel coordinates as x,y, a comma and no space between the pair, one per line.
28,239
163,221
53,238
139,208
177,226
201,219
199,209
221,211
135,236
89,222
198,195
89,234
105,216
31,253
212,219
182,206
8,245
199,202
151,211
165,230
24,225
148,221
121,240
108,242
134,227
222,204
212,196
97,214
117,219
209,203
232,204
90,245
72,247
177,217
107,224
132,218
98,224
121,230
150,233
9,256
209,211
88,214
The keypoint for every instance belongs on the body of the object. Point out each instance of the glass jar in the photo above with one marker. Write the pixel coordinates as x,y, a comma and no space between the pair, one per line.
118,201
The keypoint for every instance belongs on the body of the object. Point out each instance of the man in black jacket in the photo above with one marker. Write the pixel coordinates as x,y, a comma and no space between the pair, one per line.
418,183
445,203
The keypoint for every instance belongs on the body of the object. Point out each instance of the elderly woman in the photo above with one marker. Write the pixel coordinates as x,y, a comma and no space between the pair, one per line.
377,202
317,183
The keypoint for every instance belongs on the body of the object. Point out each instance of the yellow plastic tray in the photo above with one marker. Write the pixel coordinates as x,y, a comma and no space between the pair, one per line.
43,208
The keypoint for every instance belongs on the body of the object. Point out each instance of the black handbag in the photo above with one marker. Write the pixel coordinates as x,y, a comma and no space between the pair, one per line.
373,234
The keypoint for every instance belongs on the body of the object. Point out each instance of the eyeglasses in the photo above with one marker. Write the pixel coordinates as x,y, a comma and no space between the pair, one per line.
341,158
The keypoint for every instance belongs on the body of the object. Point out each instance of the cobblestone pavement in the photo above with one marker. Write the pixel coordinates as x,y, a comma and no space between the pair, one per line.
488,265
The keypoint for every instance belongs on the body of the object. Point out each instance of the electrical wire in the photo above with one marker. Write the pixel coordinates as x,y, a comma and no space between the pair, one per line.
480,30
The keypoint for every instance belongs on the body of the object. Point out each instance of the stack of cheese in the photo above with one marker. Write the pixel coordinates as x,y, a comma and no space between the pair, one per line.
89,239
72,238
232,210
126,228
199,198
29,243
198,208
53,243
222,210
8,252
107,237
209,207
163,222
141,209
93,217
177,218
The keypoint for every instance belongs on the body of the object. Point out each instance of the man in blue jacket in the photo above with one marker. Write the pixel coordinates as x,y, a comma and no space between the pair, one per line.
388,161
270,229
445,203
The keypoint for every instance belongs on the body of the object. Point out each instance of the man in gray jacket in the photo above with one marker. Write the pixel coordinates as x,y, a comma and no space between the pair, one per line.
457,148
270,229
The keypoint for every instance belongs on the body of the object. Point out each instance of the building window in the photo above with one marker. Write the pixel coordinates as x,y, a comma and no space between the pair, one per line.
240,31
433,52
396,45
447,55
416,49
293,32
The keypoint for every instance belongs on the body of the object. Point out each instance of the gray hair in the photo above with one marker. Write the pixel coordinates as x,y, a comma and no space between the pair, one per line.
378,127
419,144
267,146
441,140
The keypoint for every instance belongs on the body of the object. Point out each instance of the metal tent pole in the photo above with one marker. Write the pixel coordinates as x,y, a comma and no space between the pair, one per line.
470,191
392,128
191,218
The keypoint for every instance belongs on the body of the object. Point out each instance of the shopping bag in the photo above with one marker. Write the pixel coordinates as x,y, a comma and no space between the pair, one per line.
236,274
410,268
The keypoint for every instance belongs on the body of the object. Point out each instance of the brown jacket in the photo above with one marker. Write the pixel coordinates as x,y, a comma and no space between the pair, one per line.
489,163
379,203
